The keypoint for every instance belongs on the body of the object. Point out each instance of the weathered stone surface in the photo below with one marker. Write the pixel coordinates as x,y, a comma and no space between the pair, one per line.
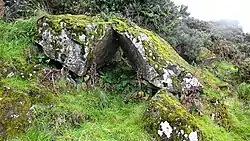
77,41
168,120
80,41
159,63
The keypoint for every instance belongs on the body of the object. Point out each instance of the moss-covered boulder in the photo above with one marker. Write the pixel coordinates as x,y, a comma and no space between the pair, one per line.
167,120
78,42
15,105
14,111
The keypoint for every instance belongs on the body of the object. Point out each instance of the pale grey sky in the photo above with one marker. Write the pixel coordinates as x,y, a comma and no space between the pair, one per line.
220,9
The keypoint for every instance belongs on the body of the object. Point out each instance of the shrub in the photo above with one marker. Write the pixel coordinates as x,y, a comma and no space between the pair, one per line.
244,91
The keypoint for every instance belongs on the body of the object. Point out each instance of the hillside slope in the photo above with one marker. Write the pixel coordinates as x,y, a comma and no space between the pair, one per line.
40,101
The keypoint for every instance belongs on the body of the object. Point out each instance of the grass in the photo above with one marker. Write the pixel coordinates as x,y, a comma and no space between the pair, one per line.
17,82
239,130
102,115
117,121
15,38
112,120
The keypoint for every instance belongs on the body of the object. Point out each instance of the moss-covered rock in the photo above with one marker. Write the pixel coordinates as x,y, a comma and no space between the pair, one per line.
14,111
80,41
15,105
76,41
18,68
167,119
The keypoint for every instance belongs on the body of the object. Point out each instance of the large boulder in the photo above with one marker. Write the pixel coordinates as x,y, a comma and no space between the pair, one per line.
79,42
167,120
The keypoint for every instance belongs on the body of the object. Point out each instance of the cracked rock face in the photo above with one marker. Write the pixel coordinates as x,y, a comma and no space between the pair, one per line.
76,44
80,41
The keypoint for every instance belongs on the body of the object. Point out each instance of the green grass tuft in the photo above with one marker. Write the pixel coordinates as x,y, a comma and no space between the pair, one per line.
118,121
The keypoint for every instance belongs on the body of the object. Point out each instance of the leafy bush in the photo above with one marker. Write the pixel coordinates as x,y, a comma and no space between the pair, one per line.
244,91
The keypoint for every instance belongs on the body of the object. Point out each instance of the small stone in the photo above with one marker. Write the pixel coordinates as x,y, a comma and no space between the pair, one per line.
193,136
82,37
86,78
84,86
10,75
213,115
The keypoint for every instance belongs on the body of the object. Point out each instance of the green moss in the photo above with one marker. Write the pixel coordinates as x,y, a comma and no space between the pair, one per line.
15,38
205,54
226,71
213,132
161,50
165,107
14,107
238,116
243,91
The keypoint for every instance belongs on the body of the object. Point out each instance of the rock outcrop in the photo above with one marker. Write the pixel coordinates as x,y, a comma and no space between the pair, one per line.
81,42
78,42
167,120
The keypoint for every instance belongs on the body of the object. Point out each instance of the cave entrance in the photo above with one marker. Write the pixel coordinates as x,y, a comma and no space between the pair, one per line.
122,67
122,76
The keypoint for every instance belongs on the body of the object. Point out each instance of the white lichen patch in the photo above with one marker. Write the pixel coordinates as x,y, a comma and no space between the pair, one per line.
182,132
166,129
213,115
193,136
190,82
82,37
143,37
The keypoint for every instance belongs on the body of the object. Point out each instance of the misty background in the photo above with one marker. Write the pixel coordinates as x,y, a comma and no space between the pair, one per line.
215,10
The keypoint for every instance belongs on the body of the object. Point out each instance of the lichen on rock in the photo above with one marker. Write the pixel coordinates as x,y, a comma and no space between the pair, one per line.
166,119
80,41
154,57
75,41
15,107
14,111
